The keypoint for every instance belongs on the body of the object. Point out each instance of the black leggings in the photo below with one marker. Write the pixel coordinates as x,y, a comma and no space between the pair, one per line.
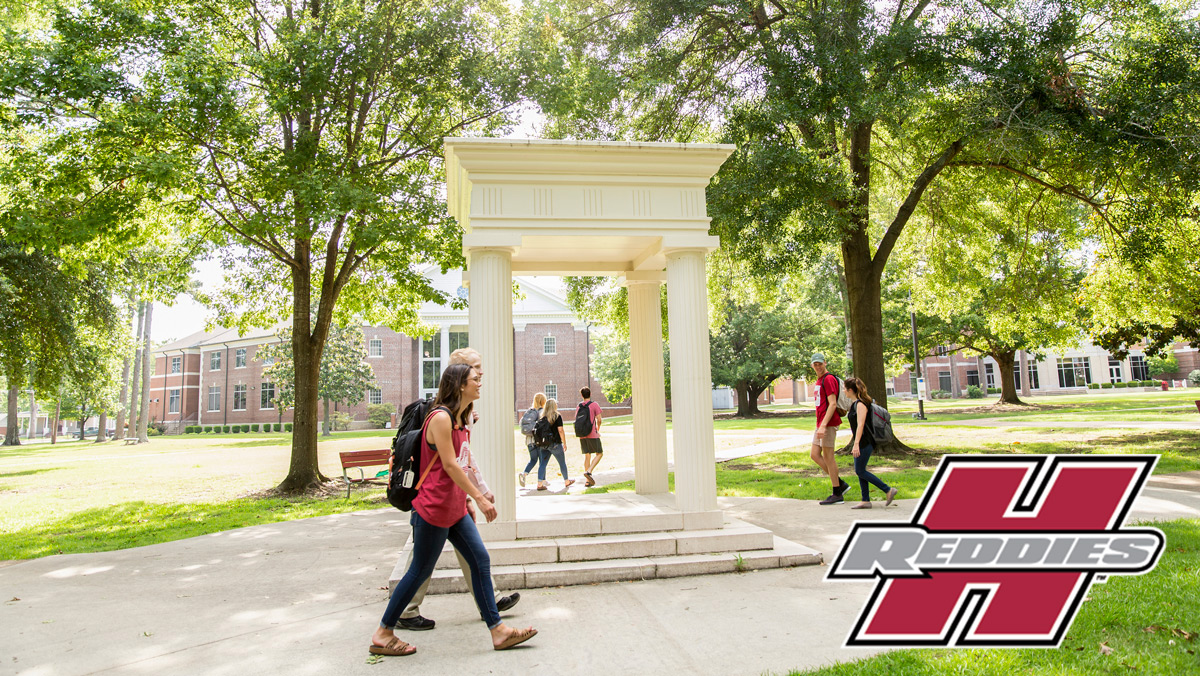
860,468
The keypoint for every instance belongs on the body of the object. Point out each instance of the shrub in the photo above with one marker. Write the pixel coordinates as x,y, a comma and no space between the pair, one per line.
153,431
993,390
1120,385
226,429
1150,383
973,392
1093,386
341,421
245,429
207,429
379,414
1106,386
254,427
278,427
235,429
287,427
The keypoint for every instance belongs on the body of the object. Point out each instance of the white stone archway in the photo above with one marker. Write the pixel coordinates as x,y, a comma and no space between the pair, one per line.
636,211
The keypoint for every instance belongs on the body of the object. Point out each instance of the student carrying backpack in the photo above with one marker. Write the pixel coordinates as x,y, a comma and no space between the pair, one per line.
544,434
405,460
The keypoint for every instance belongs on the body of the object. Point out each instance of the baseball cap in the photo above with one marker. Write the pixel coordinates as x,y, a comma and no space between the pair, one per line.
817,357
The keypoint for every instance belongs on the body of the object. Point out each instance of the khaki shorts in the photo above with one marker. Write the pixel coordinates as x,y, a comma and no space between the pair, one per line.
829,439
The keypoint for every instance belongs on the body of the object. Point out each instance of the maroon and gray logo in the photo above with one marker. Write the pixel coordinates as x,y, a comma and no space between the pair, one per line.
1001,551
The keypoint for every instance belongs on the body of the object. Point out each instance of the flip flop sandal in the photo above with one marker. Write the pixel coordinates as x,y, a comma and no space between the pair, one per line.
517,639
394,648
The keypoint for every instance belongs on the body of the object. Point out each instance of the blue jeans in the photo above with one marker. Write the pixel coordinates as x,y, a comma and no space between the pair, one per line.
557,451
534,454
860,468
428,541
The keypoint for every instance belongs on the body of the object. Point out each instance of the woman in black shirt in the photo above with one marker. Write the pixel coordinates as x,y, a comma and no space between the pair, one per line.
864,442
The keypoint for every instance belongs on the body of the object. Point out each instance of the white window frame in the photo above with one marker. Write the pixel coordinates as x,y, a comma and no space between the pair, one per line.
239,358
239,389
214,391
551,391
214,360
175,399
262,392
176,364
375,347
549,345
375,396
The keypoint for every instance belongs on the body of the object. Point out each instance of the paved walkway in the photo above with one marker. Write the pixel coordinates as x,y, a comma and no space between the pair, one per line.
302,597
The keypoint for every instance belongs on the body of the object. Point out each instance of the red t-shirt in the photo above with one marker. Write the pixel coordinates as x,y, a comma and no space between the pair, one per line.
593,411
827,385
440,501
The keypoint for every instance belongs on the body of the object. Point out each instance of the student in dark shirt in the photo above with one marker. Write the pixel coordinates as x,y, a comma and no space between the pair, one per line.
556,448
864,442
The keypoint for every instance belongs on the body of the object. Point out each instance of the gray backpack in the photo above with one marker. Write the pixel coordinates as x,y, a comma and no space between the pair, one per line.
528,421
881,424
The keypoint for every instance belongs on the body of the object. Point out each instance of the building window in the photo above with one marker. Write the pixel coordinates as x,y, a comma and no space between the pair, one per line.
375,396
551,391
1139,369
267,396
239,358
944,381
214,361
267,361
989,374
459,340
548,346
1114,370
1034,383
239,397
973,377
431,364
174,401
375,348
176,364
214,398
1074,372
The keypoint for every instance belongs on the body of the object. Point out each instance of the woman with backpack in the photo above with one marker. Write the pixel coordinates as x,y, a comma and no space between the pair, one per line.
441,511
549,430
528,420
859,415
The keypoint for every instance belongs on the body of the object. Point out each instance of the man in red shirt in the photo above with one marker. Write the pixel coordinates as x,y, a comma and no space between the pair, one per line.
589,443
825,437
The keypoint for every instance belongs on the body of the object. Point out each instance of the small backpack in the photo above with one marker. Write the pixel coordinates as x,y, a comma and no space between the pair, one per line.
843,399
405,460
529,420
583,420
544,434
881,424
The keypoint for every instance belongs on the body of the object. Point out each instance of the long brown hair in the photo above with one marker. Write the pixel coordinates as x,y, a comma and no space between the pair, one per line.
550,411
450,391
860,388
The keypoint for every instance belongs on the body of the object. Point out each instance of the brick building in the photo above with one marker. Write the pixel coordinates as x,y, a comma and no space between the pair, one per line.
215,378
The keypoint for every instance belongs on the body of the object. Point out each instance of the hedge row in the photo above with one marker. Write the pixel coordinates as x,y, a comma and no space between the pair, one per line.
237,429
1133,383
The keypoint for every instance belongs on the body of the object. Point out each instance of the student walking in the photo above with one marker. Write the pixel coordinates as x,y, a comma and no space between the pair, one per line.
441,511
411,618
587,430
528,420
551,439
825,436
859,416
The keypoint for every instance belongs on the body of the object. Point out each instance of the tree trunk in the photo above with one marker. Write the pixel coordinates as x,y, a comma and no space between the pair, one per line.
308,342
144,420
1025,385
1008,386
752,399
82,429
325,422
846,323
54,428
743,399
135,376
32,409
102,426
12,432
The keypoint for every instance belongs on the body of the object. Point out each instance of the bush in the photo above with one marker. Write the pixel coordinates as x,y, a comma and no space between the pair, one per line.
207,429
226,429
254,427
379,414
1093,386
287,427
245,429
235,428
993,390
278,427
1106,386
1120,385
973,392
153,432
341,421
1150,383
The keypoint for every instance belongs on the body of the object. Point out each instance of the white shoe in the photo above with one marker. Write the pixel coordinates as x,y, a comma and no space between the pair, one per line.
521,478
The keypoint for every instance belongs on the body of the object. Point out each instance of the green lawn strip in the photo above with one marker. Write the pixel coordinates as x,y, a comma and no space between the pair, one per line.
134,524
1148,621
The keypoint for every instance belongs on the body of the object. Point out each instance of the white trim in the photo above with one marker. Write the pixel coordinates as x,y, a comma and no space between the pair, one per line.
175,375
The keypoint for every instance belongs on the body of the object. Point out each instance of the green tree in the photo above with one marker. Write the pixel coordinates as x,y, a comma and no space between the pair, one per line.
611,365
845,113
1162,367
755,345
344,377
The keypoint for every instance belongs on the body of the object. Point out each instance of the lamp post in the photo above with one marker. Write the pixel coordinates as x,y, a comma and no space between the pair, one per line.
916,359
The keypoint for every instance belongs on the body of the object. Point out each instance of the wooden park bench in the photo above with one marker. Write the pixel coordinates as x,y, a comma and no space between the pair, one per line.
361,459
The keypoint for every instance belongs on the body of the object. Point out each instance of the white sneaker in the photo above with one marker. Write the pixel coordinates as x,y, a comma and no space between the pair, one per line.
521,478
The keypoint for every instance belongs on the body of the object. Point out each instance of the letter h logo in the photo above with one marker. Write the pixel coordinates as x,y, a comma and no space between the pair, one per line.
1072,507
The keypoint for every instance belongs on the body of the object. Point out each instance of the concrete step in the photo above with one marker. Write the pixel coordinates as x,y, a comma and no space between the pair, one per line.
583,520
735,536
781,554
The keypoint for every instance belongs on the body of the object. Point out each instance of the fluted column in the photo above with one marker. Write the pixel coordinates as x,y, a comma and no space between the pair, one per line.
649,391
492,441
691,381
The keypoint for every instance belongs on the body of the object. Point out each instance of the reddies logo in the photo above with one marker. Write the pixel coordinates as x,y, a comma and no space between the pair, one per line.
1000,552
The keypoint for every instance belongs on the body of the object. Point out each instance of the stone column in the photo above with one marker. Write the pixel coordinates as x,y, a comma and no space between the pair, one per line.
492,441
444,348
691,381
1024,363
649,390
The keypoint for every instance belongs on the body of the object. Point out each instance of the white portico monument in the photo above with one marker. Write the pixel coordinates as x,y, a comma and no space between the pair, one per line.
631,210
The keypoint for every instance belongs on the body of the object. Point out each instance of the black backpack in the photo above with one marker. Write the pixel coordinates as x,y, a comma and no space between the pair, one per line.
583,420
406,455
529,420
544,433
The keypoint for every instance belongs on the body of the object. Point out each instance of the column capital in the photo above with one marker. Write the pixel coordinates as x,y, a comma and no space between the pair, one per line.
470,251
643,277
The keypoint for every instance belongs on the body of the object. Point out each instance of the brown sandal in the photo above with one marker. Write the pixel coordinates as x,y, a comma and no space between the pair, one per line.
516,639
394,648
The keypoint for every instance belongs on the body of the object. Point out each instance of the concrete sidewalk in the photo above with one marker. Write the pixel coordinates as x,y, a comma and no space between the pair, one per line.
302,597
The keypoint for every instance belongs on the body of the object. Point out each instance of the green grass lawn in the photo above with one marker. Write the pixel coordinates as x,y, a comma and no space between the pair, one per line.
1149,622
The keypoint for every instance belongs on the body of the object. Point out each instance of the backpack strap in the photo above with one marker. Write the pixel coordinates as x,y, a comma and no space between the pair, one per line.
433,447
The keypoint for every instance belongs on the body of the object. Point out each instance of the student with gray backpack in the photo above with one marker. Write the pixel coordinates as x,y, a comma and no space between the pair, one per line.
865,424
549,438
528,420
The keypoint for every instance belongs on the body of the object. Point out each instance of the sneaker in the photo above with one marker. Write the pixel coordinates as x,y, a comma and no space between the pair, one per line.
833,499
521,478
891,495
417,623
842,487
505,602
